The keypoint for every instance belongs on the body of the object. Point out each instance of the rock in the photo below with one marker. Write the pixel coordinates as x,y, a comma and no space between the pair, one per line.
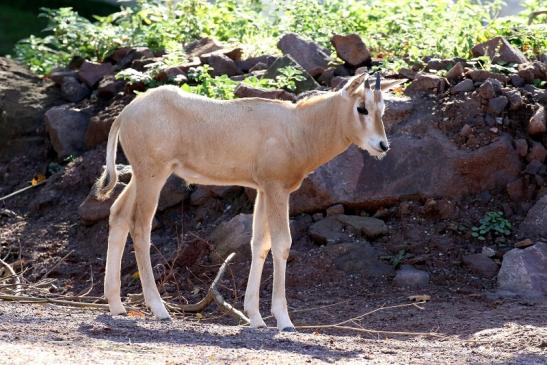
516,80
533,71
396,110
488,252
515,99
307,84
173,192
499,51
483,75
48,197
489,89
426,83
23,101
109,86
327,231
481,265
537,152
524,272
312,57
408,276
521,146
232,53
515,190
455,73
335,210
66,129
233,236
351,49
439,64
537,124
360,258
118,56
91,73
250,63
466,130
524,243
92,210
299,226
367,226
222,65
338,82
533,167
463,86
58,75
73,90
497,105
245,91
357,180
201,46
534,225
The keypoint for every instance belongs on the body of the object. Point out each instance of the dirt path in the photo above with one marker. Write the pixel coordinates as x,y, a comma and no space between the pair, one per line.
509,333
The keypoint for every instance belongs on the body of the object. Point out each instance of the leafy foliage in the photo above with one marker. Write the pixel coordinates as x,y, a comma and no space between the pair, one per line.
399,32
492,223
287,78
220,87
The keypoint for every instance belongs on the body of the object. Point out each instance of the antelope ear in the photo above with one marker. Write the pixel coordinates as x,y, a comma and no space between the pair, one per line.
355,83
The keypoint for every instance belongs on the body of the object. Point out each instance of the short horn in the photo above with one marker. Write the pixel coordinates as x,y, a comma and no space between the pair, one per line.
367,84
377,86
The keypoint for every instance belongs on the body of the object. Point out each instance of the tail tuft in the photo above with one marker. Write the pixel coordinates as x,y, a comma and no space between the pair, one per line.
102,191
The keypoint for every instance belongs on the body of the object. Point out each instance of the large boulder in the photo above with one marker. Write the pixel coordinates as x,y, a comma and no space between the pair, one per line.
524,272
357,180
91,73
499,50
351,49
534,225
23,100
66,129
233,236
311,56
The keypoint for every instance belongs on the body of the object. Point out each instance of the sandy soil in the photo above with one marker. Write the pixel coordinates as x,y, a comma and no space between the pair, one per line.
471,331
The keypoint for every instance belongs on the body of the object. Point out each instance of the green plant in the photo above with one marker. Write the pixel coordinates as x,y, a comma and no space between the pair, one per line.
493,223
396,260
220,87
287,78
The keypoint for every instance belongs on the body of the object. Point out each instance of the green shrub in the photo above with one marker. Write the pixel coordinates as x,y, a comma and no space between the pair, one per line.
493,224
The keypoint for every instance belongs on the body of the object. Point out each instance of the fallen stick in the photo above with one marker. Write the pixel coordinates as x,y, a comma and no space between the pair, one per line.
12,274
23,189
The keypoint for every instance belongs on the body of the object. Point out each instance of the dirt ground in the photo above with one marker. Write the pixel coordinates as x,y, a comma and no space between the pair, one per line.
470,329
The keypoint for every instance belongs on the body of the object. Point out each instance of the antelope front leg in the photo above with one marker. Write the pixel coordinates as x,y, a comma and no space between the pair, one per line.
260,245
278,219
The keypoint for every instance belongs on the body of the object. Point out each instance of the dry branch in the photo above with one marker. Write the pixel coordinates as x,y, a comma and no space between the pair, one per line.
13,275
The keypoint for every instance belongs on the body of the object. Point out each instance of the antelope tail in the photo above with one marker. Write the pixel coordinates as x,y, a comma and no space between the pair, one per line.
103,191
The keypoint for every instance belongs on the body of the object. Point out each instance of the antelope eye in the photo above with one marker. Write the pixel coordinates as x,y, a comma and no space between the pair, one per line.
362,110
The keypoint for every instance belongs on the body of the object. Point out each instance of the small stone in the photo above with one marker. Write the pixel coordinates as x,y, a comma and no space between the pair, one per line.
408,276
499,50
233,236
516,80
455,73
91,73
173,192
92,210
466,130
73,90
66,129
317,217
359,258
351,49
515,190
222,65
494,130
537,124
335,210
534,225
368,226
481,265
537,152
463,86
515,99
483,75
497,104
488,89
327,231
488,252
426,83
521,146
524,243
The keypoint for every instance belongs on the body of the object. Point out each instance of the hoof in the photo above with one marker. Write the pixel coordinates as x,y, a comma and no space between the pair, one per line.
166,319
288,329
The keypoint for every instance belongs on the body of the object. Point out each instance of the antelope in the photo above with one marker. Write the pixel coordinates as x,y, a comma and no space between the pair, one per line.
267,145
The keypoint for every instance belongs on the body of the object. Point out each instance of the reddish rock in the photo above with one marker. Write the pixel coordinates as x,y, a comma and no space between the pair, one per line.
312,57
455,73
533,71
483,75
249,63
364,182
537,124
521,146
515,99
233,236
489,89
481,265
426,83
499,50
92,210
537,152
66,129
91,73
351,49
463,86
222,65
515,189
201,46
535,224
245,91
109,86
335,210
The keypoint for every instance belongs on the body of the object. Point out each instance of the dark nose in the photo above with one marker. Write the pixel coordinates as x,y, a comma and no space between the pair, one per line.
383,146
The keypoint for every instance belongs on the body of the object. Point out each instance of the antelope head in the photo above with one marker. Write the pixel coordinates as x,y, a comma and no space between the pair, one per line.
365,127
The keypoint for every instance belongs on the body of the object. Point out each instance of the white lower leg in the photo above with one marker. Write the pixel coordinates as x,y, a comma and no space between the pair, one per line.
279,300
116,243
252,293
